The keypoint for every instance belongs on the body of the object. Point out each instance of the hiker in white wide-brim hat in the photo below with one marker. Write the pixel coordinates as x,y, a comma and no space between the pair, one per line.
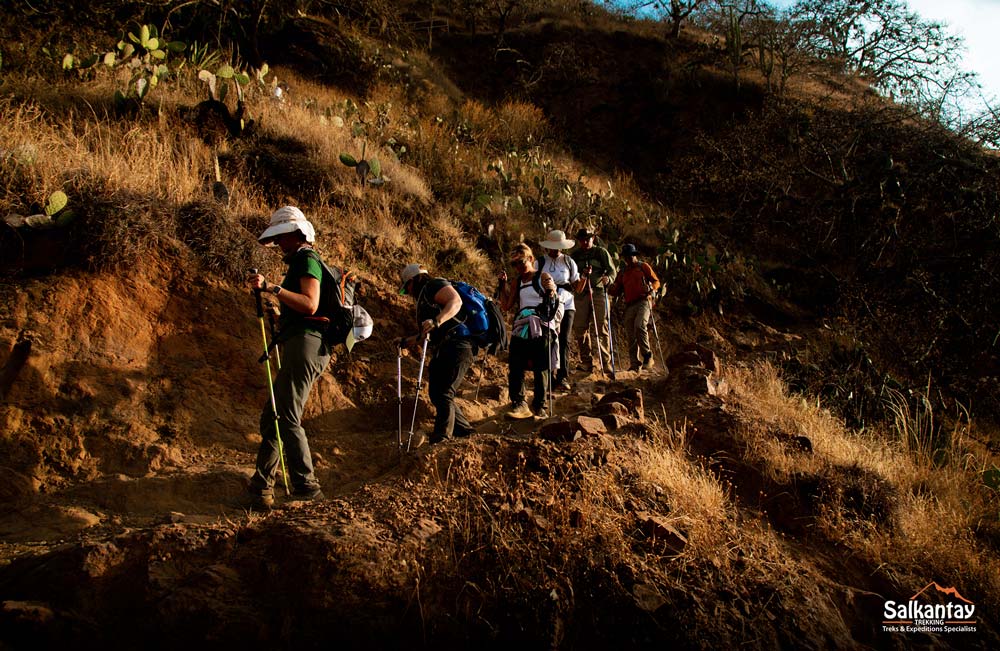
566,274
304,357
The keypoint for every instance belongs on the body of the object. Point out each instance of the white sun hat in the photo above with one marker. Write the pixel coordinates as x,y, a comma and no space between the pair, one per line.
557,240
362,328
408,273
287,219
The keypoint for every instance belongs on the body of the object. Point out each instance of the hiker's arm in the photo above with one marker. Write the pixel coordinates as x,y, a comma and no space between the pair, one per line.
508,295
654,282
615,288
609,264
306,300
450,303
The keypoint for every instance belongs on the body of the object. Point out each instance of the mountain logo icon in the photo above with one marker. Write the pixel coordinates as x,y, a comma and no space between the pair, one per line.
951,592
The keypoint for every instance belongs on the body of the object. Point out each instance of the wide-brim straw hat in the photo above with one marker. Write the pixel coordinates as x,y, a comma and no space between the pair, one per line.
287,219
556,240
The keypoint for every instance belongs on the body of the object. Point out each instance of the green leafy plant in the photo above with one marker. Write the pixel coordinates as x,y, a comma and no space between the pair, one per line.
369,170
55,213
143,53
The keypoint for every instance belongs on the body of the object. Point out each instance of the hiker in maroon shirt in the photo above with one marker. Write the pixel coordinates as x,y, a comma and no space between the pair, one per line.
636,282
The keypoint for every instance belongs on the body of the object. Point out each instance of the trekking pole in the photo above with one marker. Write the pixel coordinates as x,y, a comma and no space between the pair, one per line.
482,372
597,331
652,319
548,351
611,340
420,382
270,386
399,393
274,333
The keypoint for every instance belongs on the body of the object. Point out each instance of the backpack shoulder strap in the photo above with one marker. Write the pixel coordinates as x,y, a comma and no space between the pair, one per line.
339,278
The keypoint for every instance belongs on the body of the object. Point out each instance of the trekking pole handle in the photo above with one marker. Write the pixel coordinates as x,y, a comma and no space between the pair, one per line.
256,292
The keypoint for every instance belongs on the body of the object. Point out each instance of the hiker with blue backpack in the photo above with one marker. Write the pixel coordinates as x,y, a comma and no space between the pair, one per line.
566,275
538,311
305,355
438,312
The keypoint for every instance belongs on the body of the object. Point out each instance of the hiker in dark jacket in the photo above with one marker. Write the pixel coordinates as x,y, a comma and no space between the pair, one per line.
599,271
534,297
438,306
304,356
636,283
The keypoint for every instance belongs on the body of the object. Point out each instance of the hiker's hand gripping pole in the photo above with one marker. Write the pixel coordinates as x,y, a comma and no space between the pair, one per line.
270,383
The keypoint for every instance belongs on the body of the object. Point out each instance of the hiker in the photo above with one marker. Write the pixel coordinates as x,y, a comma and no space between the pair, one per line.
637,282
538,311
437,308
304,356
599,271
566,275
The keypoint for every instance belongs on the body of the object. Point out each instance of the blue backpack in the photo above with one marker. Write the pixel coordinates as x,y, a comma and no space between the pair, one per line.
484,323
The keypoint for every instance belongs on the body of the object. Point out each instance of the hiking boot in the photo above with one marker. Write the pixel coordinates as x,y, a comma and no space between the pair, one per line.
636,366
541,413
648,362
462,433
520,411
314,495
253,500
563,385
438,439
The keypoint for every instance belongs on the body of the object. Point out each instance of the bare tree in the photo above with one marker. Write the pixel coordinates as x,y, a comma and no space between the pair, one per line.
902,54
673,11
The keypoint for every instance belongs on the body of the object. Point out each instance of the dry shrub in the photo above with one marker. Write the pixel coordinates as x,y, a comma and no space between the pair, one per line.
478,122
221,243
116,230
521,125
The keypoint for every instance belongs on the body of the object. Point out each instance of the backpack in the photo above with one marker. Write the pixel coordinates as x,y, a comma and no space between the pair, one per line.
547,308
484,323
336,300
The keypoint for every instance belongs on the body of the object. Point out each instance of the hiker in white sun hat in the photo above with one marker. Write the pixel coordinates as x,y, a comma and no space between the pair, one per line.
304,357
285,220
566,275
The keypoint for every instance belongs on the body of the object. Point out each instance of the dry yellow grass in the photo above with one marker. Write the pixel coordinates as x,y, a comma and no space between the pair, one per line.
938,507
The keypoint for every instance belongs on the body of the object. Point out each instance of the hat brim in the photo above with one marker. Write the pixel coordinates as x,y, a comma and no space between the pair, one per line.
558,246
268,236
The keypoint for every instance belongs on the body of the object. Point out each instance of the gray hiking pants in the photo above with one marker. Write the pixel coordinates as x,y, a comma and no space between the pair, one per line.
583,328
303,359
637,331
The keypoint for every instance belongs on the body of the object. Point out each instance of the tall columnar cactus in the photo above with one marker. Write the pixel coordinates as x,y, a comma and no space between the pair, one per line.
734,43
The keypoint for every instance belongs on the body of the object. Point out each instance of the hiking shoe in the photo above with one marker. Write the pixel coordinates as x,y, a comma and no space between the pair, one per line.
251,500
563,385
648,362
314,495
541,413
636,366
520,411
